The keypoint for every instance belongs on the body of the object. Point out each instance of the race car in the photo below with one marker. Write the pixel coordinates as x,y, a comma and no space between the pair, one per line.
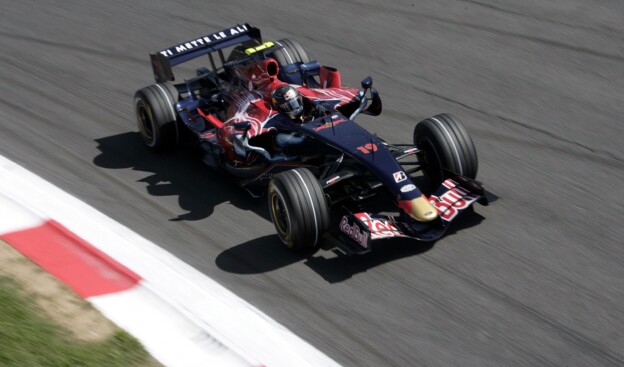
282,125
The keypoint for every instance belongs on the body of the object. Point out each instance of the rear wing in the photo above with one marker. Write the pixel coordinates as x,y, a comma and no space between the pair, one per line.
163,61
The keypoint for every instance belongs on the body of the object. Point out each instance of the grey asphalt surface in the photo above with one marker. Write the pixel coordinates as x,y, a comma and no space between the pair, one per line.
536,279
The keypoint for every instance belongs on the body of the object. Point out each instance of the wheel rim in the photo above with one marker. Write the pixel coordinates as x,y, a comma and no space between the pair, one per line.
146,128
280,215
433,163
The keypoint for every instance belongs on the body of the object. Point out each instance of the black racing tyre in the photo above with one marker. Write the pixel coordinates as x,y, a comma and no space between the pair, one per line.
156,116
298,208
445,145
291,53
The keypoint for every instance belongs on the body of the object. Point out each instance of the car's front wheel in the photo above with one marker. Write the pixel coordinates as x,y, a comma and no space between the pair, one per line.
444,144
298,208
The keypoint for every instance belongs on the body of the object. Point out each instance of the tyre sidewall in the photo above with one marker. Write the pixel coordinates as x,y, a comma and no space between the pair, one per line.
277,191
160,131
446,145
306,208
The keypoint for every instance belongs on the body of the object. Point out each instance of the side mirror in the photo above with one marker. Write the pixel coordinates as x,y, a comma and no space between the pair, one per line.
241,125
367,82
245,126
374,109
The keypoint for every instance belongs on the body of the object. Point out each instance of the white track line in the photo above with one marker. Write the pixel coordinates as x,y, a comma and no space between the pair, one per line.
214,312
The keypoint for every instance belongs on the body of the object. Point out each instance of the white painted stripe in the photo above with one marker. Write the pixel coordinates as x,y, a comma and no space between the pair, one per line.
316,232
169,101
452,141
287,54
239,326
173,114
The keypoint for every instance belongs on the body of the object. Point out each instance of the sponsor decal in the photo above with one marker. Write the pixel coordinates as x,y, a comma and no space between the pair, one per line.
354,231
332,180
408,188
379,227
263,46
203,41
410,151
453,201
367,148
329,124
399,176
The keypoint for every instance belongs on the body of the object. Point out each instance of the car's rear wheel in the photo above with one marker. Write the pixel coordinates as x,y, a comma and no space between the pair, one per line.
289,57
298,208
156,117
445,144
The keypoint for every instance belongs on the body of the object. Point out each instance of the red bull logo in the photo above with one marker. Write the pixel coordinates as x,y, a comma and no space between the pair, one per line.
354,231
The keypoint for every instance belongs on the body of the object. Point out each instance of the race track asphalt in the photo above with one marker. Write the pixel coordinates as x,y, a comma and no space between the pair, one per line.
536,279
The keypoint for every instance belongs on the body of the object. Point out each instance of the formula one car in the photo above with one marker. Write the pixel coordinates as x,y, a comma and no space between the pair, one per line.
320,170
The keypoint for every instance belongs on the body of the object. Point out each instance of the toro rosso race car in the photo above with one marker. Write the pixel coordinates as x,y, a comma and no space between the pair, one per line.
282,125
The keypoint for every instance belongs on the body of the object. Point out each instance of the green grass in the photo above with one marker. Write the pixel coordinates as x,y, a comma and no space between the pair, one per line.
27,338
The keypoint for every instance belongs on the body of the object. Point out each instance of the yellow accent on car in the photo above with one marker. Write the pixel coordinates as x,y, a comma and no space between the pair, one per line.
422,210
251,50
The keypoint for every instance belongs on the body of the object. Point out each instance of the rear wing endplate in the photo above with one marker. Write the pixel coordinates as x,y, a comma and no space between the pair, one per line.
163,61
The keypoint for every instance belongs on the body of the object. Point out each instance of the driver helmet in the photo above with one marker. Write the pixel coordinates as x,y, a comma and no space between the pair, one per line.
287,100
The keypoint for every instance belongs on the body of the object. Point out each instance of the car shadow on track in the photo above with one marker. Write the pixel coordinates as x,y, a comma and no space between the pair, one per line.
180,173
266,254
199,189
260,255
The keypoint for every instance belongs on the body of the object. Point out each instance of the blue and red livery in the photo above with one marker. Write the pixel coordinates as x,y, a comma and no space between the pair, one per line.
323,173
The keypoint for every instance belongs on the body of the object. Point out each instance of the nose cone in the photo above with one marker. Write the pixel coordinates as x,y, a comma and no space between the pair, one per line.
419,209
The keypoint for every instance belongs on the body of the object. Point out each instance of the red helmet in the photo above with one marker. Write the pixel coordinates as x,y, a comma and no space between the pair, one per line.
287,100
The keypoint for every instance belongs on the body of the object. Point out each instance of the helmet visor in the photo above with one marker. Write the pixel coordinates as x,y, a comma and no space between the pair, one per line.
291,105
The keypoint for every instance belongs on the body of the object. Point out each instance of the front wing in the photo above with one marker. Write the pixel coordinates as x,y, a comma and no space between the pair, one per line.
357,231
